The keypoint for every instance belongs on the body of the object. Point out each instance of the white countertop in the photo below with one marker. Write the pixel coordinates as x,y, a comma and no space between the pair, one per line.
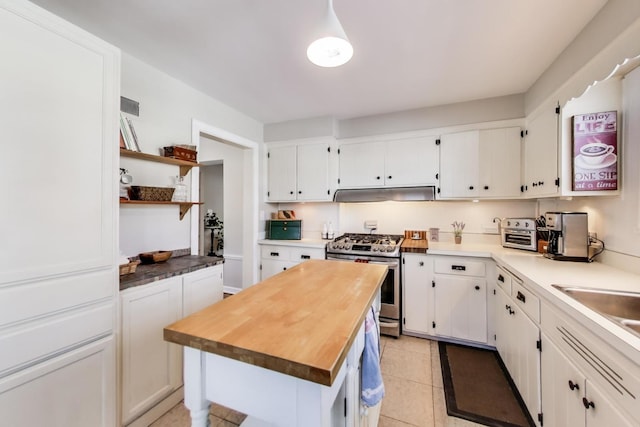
539,274
303,243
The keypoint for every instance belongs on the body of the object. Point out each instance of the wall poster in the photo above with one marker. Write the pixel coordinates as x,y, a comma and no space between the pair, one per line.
595,151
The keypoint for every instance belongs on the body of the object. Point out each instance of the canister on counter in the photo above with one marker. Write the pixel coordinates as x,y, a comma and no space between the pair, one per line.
434,234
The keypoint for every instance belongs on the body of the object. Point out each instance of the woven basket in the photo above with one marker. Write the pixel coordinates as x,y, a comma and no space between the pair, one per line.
129,268
151,194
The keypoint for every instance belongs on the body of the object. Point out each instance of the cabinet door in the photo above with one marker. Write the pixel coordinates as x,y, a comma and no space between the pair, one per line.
313,172
201,289
282,173
541,153
603,413
362,164
151,366
526,359
562,389
503,306
459,166
271,267
499,157
460,309
411,161
417,273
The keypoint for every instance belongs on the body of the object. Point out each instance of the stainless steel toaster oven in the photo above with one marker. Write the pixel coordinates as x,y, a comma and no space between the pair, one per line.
519,233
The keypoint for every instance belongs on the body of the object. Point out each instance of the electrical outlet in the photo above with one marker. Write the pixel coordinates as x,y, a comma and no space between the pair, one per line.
593,237
371,224
490,229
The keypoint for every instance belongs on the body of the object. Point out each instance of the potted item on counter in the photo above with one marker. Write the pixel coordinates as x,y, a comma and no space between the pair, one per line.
458,226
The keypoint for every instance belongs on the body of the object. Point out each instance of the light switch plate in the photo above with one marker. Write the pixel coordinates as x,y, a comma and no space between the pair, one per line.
371,224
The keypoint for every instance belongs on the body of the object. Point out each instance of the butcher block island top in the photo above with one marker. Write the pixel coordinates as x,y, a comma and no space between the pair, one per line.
300,322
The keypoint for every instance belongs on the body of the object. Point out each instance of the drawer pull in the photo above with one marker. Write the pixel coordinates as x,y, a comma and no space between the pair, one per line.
521,297
587,403
421,263
305,256
459,267
573,386
500,278
477,288
274,254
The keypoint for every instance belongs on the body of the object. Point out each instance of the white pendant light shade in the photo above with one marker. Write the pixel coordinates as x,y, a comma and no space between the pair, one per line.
332,48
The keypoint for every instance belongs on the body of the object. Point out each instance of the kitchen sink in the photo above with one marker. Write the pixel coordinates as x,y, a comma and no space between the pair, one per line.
620,306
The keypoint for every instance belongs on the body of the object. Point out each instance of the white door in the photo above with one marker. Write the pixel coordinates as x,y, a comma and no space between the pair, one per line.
151,366
411,161
461,307
499,160
562,388
541,153
201,289
313,172
282,173
526,359
459,165
417,273
361,164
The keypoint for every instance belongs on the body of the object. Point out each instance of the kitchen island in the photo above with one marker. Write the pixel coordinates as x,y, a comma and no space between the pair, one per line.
284,350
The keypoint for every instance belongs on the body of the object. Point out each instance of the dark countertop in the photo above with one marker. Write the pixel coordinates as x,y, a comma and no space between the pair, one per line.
176,266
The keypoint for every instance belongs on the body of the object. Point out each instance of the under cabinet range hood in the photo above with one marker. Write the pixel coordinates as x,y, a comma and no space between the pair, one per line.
401,194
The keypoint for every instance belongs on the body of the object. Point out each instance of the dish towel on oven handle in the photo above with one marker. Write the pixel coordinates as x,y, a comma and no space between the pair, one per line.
372,385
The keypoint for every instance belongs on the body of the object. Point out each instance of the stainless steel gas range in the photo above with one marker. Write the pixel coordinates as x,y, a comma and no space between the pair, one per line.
376,249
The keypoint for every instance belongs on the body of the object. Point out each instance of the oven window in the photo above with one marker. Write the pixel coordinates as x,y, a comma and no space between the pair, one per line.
387,291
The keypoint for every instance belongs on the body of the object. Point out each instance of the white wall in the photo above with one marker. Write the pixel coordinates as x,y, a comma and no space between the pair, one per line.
167,107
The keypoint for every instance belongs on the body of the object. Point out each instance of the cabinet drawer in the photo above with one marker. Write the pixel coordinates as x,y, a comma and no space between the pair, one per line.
284,230
276,252
303,254
503,279
527,301
460,267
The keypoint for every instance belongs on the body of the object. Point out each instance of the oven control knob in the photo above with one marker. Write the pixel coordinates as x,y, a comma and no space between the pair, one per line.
347,247
389,248
340,246
375,249
526,224
509,223
518,224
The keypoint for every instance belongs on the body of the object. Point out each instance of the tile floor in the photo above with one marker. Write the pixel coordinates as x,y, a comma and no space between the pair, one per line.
413,383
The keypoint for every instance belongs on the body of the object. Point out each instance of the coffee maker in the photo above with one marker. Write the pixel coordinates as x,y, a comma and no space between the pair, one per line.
568,236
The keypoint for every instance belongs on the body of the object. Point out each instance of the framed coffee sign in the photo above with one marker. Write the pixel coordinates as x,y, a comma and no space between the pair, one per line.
595,151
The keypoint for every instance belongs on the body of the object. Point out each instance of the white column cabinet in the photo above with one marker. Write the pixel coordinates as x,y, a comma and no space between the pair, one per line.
402,162
541,152
299,172
60,91
417,298
480,164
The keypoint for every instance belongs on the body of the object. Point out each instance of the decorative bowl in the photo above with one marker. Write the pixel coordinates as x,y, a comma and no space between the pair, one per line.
156,256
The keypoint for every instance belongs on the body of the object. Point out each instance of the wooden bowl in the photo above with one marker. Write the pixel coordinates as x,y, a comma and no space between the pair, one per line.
153,257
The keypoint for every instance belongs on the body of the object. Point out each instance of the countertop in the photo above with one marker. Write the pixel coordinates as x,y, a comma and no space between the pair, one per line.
300,322
306,243
540,273
175,266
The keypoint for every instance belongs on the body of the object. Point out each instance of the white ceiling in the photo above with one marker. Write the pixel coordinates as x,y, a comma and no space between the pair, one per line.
251,54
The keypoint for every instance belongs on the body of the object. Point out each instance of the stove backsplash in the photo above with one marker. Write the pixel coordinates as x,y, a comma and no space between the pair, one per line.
395,217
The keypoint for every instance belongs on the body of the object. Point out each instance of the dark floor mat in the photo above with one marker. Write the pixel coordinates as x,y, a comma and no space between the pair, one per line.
478,388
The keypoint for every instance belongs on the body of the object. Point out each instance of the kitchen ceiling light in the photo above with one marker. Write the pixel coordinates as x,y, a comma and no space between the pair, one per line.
332,47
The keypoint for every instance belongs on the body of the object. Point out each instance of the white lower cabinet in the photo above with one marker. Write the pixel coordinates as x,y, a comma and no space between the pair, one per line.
518,339
569,398
276,258
152,367
417,297
460,299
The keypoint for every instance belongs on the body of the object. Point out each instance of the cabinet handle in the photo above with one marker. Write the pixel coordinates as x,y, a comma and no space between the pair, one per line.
284,228
389,177
507,307
500,278
587,403
486,187
377,177
421,263
471,187
521,297
284,268
477,288
534,184
290,192
299,191
458,267
511,312
540,182
305,256
573,386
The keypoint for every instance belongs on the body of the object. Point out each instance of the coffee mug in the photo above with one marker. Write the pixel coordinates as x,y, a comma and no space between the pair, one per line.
595,152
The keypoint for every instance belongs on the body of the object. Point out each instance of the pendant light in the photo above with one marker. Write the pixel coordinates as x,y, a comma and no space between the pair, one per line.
332,48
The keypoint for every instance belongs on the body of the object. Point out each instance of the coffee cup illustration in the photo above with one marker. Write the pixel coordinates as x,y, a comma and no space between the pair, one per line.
594,153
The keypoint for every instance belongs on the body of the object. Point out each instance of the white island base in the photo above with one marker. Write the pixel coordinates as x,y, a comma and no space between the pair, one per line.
270,398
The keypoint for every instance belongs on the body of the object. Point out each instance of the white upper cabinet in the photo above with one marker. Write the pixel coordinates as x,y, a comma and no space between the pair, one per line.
299,172
394,163
480,164
541,152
